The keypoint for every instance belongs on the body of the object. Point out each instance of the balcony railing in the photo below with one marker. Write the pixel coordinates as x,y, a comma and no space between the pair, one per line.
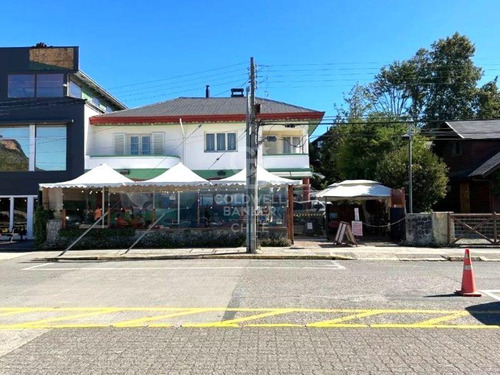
286,161
132,161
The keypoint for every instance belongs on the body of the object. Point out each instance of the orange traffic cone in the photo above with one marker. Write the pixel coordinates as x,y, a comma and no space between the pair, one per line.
468,284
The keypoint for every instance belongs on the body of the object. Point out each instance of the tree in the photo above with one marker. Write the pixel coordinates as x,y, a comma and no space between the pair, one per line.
452,79
430,174
360,146
488,101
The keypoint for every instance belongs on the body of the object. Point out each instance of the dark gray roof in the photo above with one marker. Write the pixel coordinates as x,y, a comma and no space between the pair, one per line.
207,106
480,129
488,167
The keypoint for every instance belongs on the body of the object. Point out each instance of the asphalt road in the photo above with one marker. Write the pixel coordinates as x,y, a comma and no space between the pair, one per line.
246,316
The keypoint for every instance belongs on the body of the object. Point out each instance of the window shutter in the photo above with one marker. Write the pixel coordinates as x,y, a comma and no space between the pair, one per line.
119,144
158,141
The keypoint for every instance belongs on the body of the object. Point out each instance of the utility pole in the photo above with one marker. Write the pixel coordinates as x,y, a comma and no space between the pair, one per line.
251,164
410,168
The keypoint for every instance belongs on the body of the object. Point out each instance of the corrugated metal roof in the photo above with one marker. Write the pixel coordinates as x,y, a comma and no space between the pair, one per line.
488,167
207,106
480,129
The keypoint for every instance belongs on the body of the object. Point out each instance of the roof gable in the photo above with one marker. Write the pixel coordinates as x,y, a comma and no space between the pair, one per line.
480,129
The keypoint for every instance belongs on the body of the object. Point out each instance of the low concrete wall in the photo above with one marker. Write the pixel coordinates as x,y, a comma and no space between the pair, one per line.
428,229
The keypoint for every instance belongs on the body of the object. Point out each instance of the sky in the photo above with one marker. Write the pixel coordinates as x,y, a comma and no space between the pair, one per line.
307,53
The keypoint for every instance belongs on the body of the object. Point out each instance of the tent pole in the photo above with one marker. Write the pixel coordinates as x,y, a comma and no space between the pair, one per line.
102,207
154,206
109,209
178,207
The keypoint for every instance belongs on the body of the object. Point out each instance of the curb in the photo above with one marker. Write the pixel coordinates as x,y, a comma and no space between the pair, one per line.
441,258
201,256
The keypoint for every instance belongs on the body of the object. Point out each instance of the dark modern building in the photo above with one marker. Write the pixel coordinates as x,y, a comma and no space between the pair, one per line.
45,104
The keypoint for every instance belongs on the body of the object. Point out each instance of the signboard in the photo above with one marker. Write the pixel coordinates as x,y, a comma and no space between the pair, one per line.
344,234
357,228
309,226
356,215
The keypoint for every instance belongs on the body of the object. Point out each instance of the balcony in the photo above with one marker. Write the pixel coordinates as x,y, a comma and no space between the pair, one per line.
132,161
286,161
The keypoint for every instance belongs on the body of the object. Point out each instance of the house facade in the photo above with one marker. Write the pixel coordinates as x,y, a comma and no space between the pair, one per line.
471,149
207,134
45,105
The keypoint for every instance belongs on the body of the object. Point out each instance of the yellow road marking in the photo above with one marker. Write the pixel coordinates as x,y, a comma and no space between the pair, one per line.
446,318
273,325
138,322
440,326
43,322
234,322
440,320
338,321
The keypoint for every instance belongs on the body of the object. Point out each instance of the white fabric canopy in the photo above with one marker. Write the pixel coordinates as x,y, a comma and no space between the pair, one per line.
99,177
356,190
178,175
264,178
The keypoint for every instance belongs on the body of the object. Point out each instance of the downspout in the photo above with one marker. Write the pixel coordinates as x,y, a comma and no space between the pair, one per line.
183,141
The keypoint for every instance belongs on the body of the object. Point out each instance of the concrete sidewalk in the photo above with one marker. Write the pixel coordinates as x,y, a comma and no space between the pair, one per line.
393,253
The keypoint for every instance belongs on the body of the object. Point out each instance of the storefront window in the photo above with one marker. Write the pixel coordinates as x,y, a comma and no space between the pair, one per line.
14,148
4,214
20,213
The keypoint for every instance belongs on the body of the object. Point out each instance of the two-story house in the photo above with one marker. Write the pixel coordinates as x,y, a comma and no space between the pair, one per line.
207,134
471,149
45,104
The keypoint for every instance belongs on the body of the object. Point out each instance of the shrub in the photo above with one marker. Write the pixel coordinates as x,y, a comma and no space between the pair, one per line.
40,226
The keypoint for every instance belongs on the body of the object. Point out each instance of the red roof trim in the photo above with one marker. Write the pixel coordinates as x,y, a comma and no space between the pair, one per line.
98,120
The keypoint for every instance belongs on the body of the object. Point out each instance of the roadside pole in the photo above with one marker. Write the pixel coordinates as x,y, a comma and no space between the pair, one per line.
410,168
251,163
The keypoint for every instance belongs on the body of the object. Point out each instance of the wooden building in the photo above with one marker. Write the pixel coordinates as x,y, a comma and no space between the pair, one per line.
471,149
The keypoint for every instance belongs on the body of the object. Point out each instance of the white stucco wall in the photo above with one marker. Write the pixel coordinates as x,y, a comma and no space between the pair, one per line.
192,150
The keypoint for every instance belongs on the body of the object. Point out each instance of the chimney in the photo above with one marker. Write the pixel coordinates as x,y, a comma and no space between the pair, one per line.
237,93
207,91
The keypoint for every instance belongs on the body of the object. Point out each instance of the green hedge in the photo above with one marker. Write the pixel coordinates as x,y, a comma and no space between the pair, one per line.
97,233
122,239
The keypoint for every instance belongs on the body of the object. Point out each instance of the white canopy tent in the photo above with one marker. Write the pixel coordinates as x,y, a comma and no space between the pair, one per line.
355,190
102,176
264,178
178,175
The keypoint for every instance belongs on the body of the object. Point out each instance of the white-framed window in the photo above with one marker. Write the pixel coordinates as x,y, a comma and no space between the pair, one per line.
139,144
292,145
220,142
